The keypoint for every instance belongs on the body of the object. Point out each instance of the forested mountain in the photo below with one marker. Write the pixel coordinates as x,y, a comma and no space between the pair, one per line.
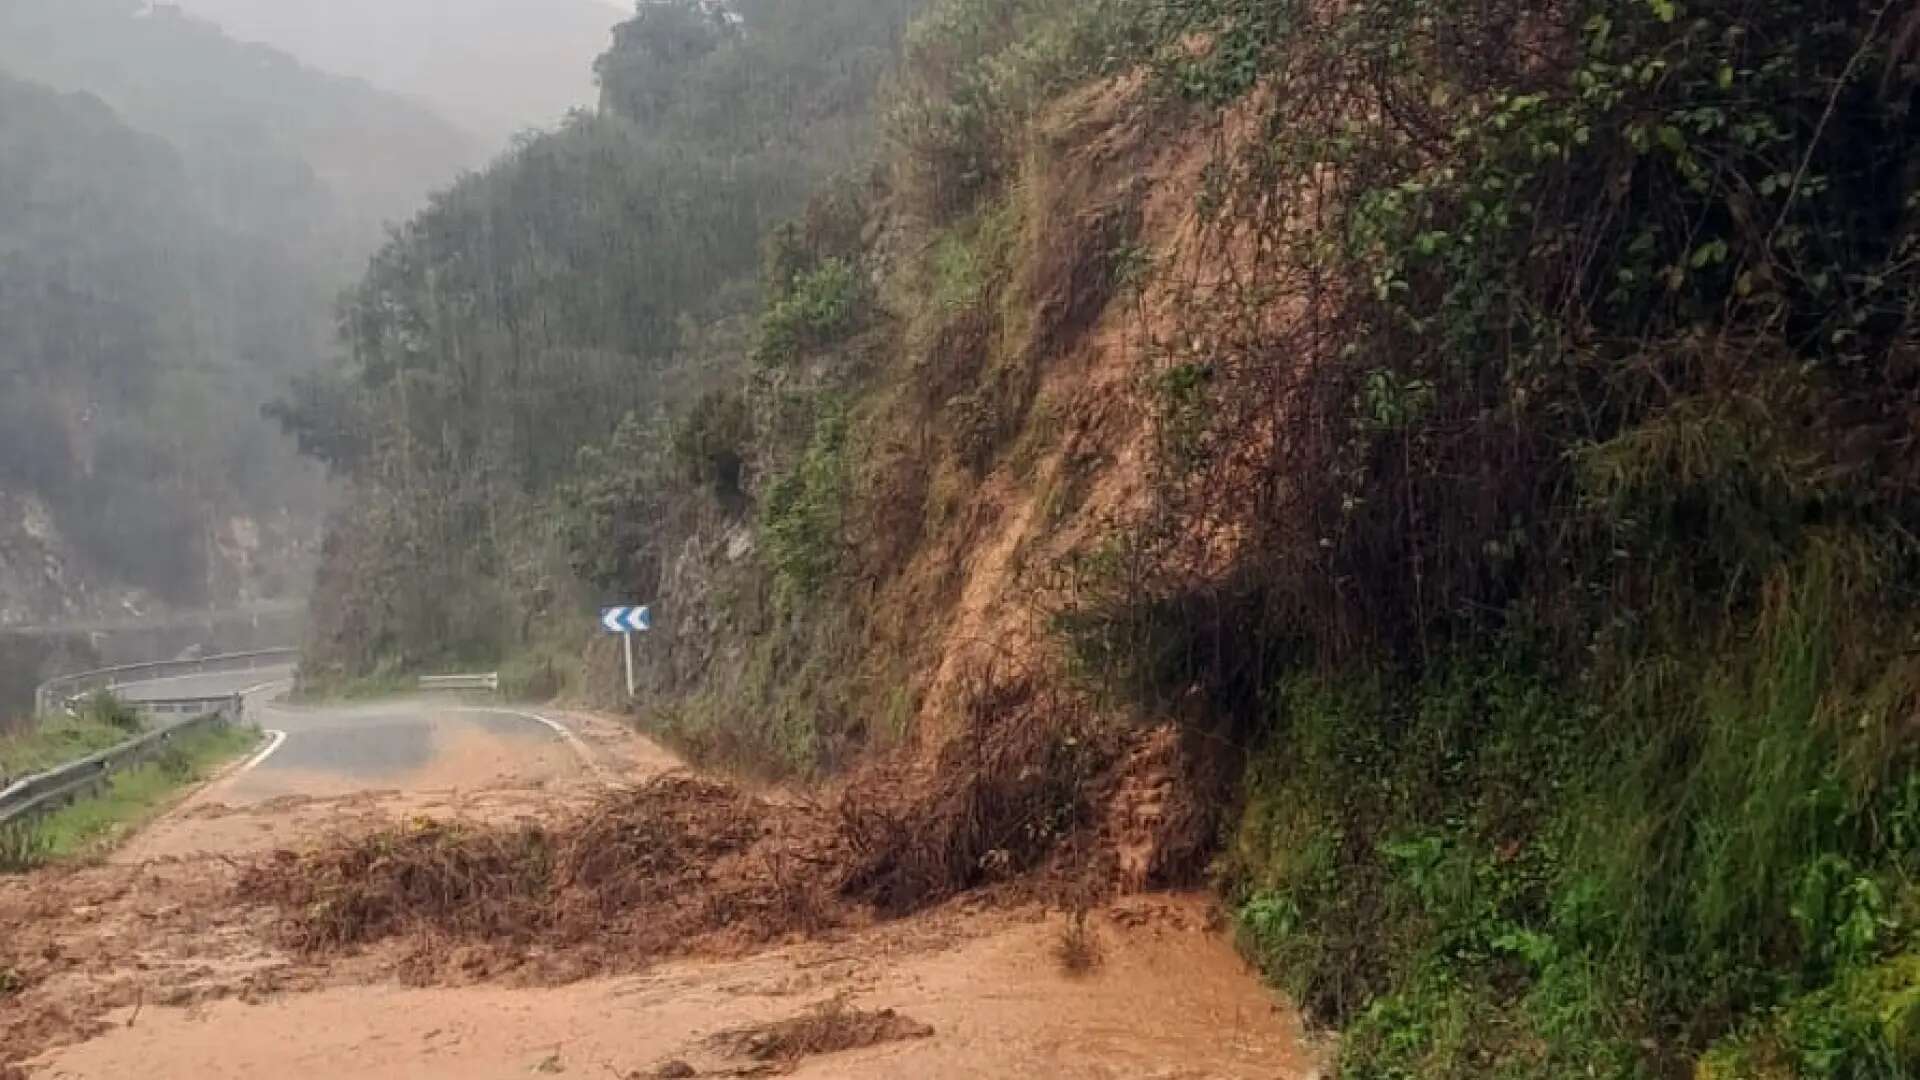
594,273
494,67
318,161
178,213
134,329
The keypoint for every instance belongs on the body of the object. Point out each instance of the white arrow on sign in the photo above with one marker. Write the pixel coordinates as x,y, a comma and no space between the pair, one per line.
626,620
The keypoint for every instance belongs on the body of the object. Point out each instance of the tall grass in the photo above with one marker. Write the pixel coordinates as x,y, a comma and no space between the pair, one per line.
93,825
57,740
1488,869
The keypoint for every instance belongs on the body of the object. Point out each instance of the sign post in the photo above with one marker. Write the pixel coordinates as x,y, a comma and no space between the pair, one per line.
627,621
626,640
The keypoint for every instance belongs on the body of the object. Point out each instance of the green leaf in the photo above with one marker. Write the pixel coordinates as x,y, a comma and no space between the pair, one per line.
1711,252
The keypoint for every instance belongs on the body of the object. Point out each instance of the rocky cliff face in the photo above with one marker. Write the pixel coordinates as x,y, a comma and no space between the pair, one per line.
42,578
47,581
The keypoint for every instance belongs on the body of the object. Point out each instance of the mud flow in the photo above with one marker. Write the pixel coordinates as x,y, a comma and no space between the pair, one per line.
666,925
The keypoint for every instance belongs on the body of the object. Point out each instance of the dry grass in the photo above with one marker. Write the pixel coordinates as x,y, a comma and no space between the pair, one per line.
642,873
1010,791
829,1028
1078,950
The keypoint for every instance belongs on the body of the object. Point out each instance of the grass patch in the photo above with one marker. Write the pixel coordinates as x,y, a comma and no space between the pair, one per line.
56,741
324,687
132,798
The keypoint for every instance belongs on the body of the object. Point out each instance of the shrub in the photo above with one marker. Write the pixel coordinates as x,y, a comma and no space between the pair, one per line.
105,708
710,443
816,308
803,517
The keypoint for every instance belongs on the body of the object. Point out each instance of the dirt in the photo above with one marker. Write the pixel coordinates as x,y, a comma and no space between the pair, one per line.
157,922
673,865
469,777
971,994
1097,155
667,922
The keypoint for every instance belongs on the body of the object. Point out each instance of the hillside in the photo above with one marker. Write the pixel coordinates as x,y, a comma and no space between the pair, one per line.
1439,474
599,274
281,150
177,215
128,318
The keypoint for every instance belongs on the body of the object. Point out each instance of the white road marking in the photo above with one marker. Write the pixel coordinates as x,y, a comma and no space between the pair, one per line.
264,687
253,762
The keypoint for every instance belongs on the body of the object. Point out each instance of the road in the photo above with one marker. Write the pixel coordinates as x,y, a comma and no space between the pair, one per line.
145,964
211,685
421,743
325,767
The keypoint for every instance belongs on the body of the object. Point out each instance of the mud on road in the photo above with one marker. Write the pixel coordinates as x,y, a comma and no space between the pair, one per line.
670,926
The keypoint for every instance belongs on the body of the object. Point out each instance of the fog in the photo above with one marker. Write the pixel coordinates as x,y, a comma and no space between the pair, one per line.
180,209
224,222
494,67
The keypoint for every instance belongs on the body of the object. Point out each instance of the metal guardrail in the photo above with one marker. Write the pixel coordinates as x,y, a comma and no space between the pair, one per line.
44,792
488,681
52,693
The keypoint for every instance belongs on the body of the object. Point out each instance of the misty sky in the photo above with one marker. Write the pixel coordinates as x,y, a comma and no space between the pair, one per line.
493,67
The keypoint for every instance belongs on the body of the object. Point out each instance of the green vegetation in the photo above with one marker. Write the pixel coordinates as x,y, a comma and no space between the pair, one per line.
104,722
542,386
95,824
802,521
815,309
1574,648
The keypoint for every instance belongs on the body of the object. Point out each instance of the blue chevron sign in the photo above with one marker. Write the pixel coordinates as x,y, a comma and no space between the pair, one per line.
626,620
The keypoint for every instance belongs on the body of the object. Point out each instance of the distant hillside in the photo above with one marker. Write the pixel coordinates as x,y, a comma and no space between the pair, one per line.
496,68
178,213
137,336
281,148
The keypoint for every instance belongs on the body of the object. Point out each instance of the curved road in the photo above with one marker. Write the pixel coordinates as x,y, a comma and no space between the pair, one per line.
409,744
215,684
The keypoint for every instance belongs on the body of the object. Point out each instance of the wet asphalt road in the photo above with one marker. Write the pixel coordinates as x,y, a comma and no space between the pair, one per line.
400,744
202,686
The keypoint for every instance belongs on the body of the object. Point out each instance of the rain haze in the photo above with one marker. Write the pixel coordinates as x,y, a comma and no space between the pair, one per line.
493,67
1249,539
